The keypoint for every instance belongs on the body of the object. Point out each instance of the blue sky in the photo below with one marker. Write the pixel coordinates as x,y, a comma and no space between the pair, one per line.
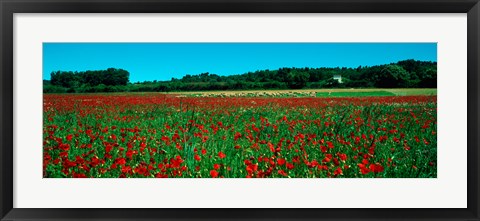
162,61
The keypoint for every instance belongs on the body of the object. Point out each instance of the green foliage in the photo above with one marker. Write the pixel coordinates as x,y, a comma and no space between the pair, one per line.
355,94
391,76
429,79
403,74
88,81
297,79
53,89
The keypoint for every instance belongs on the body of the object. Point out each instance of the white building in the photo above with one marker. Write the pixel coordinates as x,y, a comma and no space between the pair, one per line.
338,78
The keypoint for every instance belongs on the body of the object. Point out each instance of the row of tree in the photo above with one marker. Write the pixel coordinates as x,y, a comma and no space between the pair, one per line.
402,74
78,81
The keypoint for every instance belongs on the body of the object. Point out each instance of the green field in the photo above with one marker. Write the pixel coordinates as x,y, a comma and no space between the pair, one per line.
146,135
371,92
355,94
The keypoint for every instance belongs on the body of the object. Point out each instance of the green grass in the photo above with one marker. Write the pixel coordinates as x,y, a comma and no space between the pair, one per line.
413,91
376,92
355,94
332,92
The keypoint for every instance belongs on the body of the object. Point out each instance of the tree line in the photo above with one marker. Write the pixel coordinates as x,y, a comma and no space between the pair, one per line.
403,74
86,81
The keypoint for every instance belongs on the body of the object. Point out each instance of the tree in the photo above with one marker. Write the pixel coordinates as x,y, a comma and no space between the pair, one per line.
391,76
111,76
297,79
429,79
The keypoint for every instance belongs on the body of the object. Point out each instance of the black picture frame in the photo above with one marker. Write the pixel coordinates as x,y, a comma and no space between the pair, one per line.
9,7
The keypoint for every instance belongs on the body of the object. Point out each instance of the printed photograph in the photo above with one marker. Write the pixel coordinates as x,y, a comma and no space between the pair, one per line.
240,110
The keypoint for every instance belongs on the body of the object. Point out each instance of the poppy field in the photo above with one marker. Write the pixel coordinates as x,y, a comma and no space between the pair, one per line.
157,135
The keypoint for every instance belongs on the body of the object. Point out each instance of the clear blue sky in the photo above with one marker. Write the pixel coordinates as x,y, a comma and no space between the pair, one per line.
162,61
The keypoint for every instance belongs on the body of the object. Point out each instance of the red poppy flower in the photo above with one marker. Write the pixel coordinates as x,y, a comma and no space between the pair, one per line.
79,175
323,148
161,165
328,158
178,146
335,161
271,147
68,164
342,156
314,163
376,168
260,159
281,172
63,154
94,162
142,170
221,155
204,139
363,169
129,154
126,169
281,161
79,160
357,140
213,173
237,136
176,162
338,171
108,148
290,166
252,168
160,175
120,161
64,146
